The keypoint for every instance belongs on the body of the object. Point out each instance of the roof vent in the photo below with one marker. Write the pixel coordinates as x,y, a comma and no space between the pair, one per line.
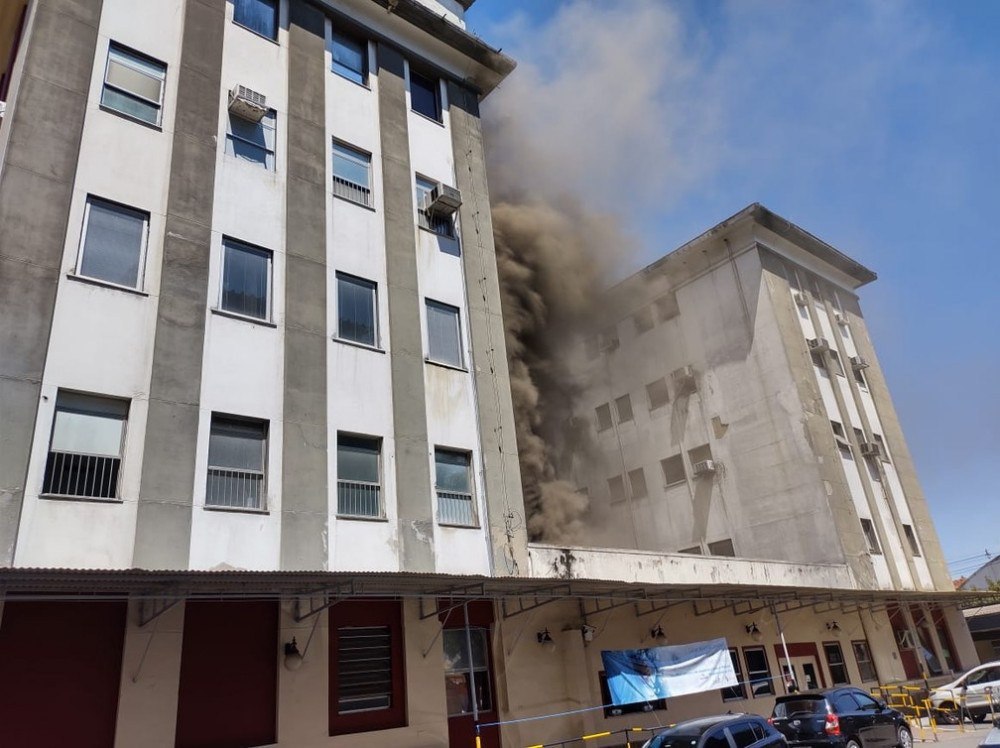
247,104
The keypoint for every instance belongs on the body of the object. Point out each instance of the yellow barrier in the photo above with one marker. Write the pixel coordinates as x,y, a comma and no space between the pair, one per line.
596,735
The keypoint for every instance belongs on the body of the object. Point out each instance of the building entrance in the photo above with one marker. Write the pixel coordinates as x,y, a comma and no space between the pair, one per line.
469,688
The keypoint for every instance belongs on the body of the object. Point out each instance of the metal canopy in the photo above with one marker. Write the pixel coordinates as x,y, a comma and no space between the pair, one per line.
518,594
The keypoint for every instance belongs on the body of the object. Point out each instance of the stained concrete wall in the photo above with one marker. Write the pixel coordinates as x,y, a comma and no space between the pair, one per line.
163,523
44,131
501,470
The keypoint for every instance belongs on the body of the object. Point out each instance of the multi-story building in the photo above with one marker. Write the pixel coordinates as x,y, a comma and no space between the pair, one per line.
258,479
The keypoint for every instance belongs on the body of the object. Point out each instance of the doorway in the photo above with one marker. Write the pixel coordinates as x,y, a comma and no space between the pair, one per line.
469,683
802,666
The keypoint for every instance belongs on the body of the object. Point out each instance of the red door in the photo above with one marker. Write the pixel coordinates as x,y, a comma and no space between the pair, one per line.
468,679
904,643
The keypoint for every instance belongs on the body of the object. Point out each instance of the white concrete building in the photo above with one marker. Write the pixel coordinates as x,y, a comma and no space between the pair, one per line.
258,479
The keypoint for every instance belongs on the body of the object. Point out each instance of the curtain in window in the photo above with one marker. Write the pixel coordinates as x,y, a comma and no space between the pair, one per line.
356,310
258,15
442,334
112,248
245,276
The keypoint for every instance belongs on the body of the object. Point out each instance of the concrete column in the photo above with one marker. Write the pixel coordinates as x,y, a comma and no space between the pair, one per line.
45,125
166,489
414,488
304,461
501,470
965,653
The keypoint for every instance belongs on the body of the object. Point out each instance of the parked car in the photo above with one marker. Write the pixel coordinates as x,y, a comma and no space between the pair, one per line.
839,718
976,686
722,731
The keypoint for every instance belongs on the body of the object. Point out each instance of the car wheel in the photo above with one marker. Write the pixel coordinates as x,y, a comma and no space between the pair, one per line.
946,714
979,717
852,743
905,738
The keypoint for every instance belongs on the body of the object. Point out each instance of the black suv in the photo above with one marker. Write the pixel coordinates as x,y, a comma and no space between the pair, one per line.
723,731
839,718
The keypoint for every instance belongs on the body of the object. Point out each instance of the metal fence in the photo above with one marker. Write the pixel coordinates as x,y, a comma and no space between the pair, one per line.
455,508
235,489
352,191
84,475
359,499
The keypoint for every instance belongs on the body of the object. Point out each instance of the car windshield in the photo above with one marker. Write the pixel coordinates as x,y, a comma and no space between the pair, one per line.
799,707
675,740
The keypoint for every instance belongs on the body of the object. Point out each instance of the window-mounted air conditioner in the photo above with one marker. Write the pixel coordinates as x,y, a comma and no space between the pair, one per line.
443,200
800,299
819,345
871,449
247,104
705,467
859,362
684,379
840,319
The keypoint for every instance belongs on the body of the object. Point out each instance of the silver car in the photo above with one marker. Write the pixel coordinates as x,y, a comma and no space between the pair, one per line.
975,688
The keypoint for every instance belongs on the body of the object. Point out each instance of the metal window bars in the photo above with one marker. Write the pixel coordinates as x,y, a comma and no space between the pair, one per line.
235,489
455,508
352,191
440,225
359,499
81,475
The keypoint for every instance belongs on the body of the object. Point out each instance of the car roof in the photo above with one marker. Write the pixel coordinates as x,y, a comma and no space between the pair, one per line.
701,724
816,693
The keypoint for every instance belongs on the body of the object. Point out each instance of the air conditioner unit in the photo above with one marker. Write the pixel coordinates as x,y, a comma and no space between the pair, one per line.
800,299
871,449
859,362
819,345
443,200
705,467
247,104
684,379
840,319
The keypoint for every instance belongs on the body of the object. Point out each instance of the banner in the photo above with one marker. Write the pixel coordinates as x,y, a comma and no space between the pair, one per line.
636,675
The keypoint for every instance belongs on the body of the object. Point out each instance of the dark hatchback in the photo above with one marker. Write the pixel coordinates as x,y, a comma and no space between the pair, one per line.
724,731
839,718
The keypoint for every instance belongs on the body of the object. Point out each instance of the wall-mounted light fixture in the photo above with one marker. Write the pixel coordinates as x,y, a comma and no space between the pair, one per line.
833,627
754,631
658,633
588,632
545,638
293,658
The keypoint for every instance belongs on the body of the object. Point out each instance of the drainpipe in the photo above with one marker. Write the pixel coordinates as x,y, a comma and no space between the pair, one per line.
784,647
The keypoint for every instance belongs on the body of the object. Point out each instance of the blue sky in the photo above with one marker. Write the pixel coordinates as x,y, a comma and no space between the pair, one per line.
874,125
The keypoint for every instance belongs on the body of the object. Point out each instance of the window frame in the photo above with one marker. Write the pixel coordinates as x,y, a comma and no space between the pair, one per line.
627,398
739,691
231,418
255,32
750,673
232,136
471,482
911,536
482,671
830,665
872,540
366,62
683,480
359,157
632,483
268,302
435,88
365,614
127,51
599,424
379,485
666,394
443,227
143,244
126,406
624,492
868,663
376,343
430,357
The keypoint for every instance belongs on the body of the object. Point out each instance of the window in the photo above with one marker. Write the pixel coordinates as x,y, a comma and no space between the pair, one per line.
694,550
260,16
758,671
844,703
716,739
114,243
440,225
673,470
444,334
609,339
619,709
738,691
871,537
722,548
742,735
352,174
350,58
425,95
911,538
666,307
637,482
863,656
603,417
657,393
817,359
623,405
357,310
367,689
882,448
835,661
453,481
458,685
643,320
85,450
246,280
133,85
838,429
616,487
837,363
252,141
237,454
700,454
859,376
358,476
865,702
